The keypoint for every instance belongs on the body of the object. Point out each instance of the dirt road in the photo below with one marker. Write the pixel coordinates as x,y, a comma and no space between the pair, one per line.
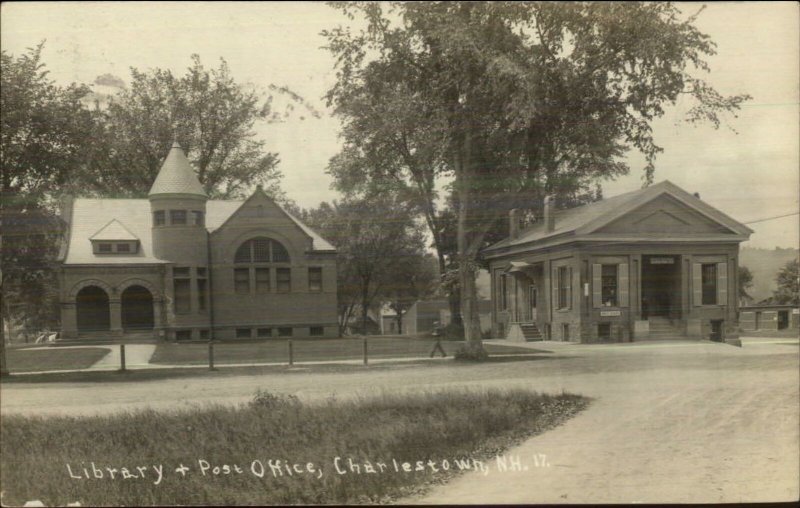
683,422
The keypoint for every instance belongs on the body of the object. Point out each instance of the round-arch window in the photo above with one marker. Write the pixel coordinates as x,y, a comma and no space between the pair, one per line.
261,250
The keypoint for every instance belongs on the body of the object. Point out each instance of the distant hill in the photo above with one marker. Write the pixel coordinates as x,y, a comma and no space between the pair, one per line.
764,265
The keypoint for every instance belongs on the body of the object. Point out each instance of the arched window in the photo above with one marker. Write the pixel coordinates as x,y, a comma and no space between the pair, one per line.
262,254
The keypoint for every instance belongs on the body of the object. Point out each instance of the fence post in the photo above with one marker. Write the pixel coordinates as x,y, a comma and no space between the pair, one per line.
291,352
365,350
122,357
211,355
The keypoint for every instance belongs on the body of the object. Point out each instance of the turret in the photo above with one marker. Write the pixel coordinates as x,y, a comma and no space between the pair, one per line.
178,206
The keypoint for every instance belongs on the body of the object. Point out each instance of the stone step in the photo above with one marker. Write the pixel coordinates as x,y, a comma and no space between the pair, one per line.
530,331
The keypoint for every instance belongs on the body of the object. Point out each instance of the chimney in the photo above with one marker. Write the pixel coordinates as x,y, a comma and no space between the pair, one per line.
513,223
549,213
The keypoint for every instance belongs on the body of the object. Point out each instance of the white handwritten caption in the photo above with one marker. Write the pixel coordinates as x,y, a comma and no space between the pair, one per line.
277,468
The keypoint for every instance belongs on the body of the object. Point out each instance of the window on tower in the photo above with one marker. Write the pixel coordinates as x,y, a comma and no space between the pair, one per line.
177,217
159,218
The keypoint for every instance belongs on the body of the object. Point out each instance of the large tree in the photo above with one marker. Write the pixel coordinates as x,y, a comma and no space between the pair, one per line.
207,111
519,100
44,129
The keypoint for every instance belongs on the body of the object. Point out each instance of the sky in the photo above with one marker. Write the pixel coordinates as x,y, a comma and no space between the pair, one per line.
748,169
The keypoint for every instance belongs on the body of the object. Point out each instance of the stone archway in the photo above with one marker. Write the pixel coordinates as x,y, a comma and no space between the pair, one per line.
93,309
137,308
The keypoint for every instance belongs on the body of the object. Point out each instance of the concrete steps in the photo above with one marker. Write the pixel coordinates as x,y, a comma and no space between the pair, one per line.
661,328
523,332
530,331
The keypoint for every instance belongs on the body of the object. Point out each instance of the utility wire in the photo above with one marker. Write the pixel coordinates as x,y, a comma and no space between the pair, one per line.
770,218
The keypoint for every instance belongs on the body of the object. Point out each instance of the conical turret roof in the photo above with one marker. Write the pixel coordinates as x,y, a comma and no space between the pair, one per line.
176,175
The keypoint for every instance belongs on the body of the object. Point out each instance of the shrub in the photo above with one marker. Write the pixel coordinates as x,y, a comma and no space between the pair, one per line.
266,400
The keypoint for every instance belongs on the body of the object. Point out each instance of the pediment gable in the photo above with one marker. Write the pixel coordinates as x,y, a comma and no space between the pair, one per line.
259,211
664,214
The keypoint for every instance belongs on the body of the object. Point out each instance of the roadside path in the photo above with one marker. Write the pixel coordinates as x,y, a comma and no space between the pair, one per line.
721,435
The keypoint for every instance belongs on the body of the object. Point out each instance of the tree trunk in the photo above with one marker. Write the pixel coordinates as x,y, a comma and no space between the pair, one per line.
364,317
400,322
3,361
454,300
469,310
466,257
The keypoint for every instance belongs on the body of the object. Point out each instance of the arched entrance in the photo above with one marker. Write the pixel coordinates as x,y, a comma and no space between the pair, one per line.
93,309
137,308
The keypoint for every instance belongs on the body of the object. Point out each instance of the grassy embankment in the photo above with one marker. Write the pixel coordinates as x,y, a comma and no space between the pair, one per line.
386,431
32,360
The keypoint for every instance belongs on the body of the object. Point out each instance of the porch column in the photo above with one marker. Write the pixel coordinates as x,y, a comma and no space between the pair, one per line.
115,306
69,320
158,324
635,282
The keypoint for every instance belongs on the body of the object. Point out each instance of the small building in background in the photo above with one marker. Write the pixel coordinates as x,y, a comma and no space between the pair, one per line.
425,315
769,317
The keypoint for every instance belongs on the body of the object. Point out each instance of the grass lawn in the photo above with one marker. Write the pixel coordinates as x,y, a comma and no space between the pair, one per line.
26,360
448,428
309,350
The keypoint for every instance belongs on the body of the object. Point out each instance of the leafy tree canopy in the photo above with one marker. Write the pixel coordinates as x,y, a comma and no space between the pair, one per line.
379,247
206,111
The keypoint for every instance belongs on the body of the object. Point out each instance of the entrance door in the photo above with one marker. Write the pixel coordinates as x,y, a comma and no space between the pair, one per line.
783,319
533,294
661,286
137,309
93,310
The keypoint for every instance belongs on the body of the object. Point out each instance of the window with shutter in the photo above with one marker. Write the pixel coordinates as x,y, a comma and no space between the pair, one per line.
697,286
623,285
609,285
564,286
709,283
722,283
597,294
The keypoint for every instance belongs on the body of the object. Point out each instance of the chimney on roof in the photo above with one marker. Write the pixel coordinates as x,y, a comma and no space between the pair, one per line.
549,213
513,223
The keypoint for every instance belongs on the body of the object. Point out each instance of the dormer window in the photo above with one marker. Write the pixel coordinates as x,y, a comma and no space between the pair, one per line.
111,247
114,238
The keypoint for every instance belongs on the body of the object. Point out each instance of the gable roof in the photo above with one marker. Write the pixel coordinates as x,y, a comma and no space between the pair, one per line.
90,217
114,230
176,175
317,242
586,219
